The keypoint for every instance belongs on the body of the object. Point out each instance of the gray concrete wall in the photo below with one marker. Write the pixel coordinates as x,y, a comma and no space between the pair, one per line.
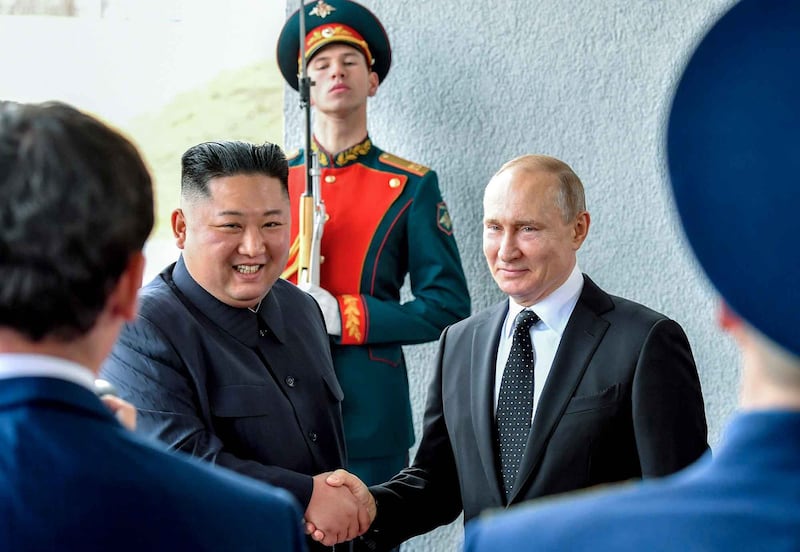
476,83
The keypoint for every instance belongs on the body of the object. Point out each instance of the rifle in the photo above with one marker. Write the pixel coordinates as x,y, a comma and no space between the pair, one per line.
312,208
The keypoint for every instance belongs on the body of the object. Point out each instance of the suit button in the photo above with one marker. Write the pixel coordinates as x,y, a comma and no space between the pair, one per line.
313,436
290,381
330,179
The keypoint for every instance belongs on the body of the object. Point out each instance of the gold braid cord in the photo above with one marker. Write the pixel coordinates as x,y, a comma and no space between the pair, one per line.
290,270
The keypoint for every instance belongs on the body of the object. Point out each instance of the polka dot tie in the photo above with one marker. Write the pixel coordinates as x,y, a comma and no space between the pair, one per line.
515,401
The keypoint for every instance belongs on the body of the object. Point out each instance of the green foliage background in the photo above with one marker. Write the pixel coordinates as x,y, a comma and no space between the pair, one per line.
242,104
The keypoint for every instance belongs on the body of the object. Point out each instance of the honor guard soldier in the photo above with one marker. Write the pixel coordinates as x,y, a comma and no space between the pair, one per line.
384,219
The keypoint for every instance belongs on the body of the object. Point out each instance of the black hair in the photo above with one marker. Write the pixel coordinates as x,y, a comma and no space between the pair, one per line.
209,160
76,203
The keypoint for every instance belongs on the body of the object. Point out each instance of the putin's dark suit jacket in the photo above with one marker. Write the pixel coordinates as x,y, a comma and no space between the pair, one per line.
72,478
622,401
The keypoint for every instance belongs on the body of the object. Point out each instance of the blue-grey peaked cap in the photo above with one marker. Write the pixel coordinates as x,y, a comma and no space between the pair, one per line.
733,148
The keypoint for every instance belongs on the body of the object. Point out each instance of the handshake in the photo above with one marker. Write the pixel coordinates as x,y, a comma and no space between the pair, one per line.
341,508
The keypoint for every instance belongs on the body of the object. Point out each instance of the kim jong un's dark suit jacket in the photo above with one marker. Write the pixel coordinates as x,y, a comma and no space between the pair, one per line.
256,396
622,401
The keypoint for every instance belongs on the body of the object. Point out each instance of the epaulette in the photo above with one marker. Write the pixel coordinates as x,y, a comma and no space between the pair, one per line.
405,164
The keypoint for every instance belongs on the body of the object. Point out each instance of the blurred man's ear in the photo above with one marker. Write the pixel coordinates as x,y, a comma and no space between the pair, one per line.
125,297
727,319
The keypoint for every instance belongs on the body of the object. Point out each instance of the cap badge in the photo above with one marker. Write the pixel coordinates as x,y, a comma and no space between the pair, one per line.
322,10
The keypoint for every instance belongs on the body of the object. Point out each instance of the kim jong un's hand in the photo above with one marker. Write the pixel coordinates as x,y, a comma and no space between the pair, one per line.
334,513
367,507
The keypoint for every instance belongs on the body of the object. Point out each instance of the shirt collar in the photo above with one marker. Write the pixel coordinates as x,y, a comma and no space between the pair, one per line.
21,365
344,157
240,323
555,309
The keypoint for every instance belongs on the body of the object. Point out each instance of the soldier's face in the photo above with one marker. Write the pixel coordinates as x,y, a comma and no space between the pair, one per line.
342,80
236,242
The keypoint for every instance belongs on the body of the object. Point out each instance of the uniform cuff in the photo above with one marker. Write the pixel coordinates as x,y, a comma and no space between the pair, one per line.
354,319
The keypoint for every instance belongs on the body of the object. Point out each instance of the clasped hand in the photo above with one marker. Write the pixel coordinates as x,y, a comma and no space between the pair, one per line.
124,411
341,508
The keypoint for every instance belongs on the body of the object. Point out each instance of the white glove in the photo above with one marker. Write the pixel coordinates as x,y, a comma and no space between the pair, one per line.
328,305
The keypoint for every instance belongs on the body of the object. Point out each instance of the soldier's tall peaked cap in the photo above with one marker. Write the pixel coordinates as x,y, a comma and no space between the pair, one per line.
733,148
328,22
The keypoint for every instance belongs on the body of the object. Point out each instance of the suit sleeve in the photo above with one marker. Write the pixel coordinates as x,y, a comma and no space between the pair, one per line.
668,412
148,373
426,494
438,285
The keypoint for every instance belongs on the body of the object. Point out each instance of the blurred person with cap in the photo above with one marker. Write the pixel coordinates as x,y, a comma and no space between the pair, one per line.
386,220
732,146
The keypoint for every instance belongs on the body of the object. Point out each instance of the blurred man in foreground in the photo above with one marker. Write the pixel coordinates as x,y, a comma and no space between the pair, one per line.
76,209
